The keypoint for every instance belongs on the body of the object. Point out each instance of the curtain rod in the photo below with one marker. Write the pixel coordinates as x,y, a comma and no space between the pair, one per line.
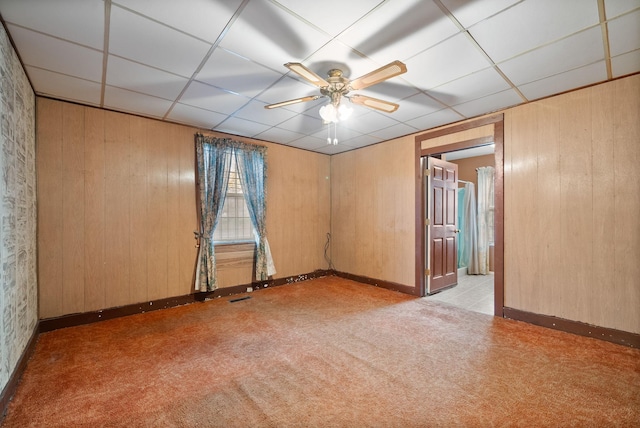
463,181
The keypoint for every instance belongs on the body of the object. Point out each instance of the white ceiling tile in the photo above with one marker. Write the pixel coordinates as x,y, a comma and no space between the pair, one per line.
245,128
270,36
308,143
140,78
432,120
287,89
415,106
394,131
530,24
195,116
450,60
360,141
470,12
615,8
625,64
624,33
204,19
393,90
62,86
370,122
330,149
256,112
303,123
278,135
78,21
323,14
471,87
229,71
135,37
325,59
342,132
566,81
210,98
489,103
57,55
586,47
399,30
133,102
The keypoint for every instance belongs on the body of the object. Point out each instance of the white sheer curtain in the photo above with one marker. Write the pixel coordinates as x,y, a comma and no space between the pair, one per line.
486,176
470,232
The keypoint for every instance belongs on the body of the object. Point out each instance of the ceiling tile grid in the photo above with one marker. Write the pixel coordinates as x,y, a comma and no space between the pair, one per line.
216,64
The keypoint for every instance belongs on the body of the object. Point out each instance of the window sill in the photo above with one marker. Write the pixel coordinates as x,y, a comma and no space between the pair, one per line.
235,254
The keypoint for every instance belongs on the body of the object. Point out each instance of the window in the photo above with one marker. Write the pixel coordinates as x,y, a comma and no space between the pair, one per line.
234,224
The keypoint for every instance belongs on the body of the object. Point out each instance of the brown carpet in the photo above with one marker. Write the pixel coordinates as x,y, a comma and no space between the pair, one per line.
324,353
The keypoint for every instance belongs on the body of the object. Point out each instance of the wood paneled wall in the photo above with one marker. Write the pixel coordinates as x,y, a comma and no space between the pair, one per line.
373,208
117,209
572,203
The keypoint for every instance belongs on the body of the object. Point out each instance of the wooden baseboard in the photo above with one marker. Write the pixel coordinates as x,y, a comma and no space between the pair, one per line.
610,335
12,384
73,320
379,283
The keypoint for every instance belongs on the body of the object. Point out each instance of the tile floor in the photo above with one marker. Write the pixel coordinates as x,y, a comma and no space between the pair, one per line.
473,292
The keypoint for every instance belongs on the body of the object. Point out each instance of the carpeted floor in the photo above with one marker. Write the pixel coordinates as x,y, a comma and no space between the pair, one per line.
324,353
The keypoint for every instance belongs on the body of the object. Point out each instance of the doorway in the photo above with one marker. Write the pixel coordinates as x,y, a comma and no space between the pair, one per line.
476,133
471,233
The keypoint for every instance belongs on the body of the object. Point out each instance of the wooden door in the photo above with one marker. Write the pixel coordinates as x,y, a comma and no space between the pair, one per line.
442,266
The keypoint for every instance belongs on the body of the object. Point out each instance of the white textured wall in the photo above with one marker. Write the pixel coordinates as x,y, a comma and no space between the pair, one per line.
18,281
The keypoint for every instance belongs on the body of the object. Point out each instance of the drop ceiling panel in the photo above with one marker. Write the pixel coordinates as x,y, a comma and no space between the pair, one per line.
615,8
423,72
275,36
471,12
57,55
432,120
256,112
215,64
624,33
476,85
246,128
566,81
415,106
625,64
370,122
489,103
331,16
585,47
531,24
234,73
394,131
278,135
210,98
195,116
140,39
141,78
287,89
204,19
399,30
302,123
133,102
77,21
65,87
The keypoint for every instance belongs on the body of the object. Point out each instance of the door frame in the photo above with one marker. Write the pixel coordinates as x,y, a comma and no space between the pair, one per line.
497,138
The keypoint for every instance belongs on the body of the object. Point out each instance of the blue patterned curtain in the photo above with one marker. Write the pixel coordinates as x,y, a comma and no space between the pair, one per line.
252,170
214,160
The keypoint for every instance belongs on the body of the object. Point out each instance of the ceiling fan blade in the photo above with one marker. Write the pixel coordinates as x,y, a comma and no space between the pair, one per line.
374,103
380,75
294,101
307,74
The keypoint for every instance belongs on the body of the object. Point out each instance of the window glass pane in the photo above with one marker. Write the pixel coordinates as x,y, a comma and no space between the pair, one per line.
234,223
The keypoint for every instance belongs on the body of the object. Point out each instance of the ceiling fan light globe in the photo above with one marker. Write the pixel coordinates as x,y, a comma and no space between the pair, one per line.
344,112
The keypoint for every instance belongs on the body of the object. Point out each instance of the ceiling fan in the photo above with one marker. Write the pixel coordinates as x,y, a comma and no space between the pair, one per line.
336,86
